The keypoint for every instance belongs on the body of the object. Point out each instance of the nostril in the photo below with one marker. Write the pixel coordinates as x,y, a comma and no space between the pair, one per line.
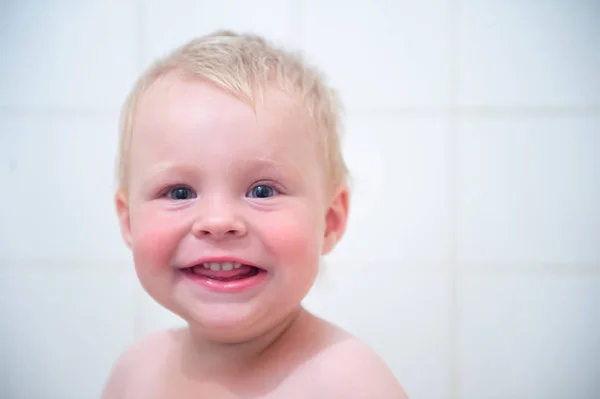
218,228
219,233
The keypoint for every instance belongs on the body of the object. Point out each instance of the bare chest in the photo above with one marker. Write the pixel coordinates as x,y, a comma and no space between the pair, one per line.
293,386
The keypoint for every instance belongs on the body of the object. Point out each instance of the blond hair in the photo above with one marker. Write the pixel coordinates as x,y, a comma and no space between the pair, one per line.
245,65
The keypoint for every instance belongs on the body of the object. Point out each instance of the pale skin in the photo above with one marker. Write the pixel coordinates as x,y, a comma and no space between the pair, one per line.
255,344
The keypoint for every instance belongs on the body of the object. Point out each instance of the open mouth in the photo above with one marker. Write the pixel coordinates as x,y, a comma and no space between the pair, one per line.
223,271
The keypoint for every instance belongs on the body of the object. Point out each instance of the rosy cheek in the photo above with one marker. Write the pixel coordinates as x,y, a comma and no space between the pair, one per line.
292,237
153,241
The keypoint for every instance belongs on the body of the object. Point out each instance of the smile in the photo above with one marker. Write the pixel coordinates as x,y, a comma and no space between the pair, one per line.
226,271
225,276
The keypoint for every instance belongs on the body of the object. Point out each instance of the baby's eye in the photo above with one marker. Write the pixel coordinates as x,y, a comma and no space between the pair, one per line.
181,193
262,191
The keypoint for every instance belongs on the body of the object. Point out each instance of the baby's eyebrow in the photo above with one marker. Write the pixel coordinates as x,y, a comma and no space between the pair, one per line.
255,165
164,168
265,164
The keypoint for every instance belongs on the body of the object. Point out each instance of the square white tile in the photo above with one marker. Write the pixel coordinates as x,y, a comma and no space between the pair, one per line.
526,336
57,192
67,54
380,53
403,315
529,53
62,330
528,190
167,25
400,181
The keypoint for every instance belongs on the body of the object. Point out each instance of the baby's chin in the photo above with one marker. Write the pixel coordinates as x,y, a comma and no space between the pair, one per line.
233,323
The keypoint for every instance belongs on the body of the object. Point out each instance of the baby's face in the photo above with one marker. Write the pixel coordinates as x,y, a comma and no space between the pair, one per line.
227,213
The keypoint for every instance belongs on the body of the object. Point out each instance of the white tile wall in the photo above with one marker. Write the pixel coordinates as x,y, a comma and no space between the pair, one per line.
529,53
68,54
384,54
525,336
56,196
473,129
62,330
167,25
397,214
152,317
528,190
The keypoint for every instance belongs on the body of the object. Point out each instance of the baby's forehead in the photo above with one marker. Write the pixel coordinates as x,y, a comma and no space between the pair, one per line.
175,98
179,109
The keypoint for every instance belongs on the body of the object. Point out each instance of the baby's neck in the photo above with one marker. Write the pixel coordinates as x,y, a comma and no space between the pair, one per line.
204,355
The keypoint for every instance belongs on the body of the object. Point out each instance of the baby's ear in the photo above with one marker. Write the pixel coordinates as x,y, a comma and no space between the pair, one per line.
336,218
122,205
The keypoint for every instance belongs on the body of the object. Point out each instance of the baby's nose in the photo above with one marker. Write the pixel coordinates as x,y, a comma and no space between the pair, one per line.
219,223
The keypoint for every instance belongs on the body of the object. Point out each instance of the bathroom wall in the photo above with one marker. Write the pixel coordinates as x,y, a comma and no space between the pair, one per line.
472,259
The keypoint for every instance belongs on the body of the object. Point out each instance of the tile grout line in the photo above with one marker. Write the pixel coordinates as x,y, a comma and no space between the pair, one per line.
140,47
453,316
139,34
403,111
591,268
54,111
533,268
295,23
479,111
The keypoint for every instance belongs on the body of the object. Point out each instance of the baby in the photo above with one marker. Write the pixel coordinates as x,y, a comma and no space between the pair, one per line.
232,186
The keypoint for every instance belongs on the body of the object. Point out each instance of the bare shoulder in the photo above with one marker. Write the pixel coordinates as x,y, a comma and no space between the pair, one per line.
354,371
136,360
